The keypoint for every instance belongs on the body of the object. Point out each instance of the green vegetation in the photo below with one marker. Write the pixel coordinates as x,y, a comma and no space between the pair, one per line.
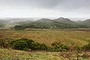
23,44
45,39
67,37
60,23
2,23
18,27
57,46
9,54
87,47
46,44
4,43
20,44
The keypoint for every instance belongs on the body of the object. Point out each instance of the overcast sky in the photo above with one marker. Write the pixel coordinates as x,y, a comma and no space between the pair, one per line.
45,8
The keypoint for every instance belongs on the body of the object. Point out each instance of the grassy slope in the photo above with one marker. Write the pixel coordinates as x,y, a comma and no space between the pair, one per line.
48,36
8,54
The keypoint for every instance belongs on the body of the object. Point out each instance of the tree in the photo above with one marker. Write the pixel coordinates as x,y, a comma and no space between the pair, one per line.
19,27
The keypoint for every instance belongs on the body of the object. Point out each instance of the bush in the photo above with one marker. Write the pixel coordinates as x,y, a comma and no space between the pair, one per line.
57,46
21,44
35,46
18,27
86,47
4,44
38,46
44,47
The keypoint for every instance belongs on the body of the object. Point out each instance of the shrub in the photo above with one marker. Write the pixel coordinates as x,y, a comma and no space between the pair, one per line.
44,46
18,27
35,46
21,44
3,43
38,46
57,46
86,47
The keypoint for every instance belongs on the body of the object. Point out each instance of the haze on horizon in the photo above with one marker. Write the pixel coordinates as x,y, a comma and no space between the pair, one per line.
45,8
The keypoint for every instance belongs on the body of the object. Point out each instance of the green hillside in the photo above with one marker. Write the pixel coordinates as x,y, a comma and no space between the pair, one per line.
60,23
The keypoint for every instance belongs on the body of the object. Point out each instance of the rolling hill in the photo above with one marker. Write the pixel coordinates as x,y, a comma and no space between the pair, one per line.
59,23
45,23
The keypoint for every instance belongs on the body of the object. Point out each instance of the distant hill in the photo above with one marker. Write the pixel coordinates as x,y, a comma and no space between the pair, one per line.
45,23
2,23
13,20
63,20
87,22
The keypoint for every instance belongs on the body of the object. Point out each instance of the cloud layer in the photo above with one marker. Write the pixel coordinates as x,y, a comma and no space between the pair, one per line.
45,8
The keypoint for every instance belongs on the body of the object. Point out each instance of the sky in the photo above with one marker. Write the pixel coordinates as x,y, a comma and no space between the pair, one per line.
45,8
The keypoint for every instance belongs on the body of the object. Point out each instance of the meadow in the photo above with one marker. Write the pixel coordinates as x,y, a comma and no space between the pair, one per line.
47,36
9,54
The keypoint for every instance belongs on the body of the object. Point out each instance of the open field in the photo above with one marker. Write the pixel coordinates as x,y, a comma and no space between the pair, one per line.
67,37
9,54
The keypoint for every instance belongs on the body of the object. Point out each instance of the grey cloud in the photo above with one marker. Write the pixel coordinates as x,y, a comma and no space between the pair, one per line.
66,4
49,4
73,6
46,3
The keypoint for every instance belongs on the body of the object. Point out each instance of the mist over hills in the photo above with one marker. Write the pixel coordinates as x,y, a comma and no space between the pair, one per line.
46,23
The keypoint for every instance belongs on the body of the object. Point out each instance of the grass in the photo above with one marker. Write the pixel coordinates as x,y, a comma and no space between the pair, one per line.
49,36
9,54
68,37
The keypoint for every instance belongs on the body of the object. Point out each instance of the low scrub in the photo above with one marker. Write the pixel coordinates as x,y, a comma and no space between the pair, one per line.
86,47
23,44
4,43
57,46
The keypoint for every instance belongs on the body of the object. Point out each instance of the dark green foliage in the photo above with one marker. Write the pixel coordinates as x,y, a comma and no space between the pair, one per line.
44,47
19,27
57,46
2,23
38,46
60,23
86,47
22,44
4,44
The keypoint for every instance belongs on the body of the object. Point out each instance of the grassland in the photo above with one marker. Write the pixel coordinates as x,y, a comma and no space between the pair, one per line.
49,36
9,54
67,37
